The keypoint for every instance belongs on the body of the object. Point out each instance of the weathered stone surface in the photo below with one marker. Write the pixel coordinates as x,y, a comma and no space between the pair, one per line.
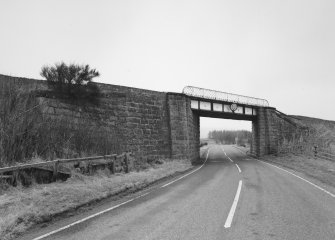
138,117
156,124
184,127
273,131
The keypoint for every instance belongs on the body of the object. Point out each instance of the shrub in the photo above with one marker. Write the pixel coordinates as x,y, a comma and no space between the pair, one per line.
72,81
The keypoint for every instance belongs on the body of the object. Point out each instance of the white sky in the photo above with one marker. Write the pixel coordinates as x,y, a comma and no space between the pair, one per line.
283,51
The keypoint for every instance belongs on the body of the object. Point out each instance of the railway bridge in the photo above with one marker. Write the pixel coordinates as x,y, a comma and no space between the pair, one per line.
269,126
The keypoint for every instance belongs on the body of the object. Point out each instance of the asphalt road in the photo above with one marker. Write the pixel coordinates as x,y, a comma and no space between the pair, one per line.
270,204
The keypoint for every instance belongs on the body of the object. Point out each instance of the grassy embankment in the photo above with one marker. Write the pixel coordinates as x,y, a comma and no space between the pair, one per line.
323,132
27,131
318,171
21,208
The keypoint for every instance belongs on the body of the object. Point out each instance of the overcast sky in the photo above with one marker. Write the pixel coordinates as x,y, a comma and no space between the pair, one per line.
283,51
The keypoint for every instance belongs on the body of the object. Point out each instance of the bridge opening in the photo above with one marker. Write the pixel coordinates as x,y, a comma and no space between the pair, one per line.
208,104
225,131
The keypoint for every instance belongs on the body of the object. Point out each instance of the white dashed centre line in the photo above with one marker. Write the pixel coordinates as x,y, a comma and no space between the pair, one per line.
226,155
233,207
230,159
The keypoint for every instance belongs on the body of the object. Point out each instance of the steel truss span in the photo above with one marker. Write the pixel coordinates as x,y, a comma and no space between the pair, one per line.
223,96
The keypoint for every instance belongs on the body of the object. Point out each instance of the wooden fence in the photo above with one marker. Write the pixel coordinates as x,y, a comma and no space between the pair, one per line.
293,149
314,151
322,154
55,166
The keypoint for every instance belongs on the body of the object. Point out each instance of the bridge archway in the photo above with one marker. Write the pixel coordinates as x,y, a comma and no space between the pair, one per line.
186,109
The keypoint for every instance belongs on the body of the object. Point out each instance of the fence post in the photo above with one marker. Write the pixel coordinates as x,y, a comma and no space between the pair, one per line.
55,172
315,151
126,162
113,165
15,177
90,168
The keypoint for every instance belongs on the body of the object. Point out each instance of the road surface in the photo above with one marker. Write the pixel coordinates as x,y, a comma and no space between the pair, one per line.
230,197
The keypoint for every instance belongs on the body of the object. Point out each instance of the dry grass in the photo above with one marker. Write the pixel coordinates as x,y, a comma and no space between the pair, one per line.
20,208
322,132
319,171
28,129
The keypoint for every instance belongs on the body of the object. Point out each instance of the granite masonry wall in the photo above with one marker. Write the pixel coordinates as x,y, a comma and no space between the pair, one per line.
155,124
137,119
274,131
184,128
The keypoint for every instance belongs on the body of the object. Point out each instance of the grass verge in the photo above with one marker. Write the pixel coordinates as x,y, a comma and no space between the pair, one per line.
21,208
319,171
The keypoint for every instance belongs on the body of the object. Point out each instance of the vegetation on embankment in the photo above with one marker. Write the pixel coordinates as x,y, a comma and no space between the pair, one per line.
27,133
317,170
322,132
21,208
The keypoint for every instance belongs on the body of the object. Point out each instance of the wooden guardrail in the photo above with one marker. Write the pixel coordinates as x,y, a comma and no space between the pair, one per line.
314,151
293,149
109,160
324,155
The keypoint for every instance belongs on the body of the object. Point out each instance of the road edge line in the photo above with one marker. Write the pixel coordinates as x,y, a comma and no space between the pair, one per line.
84,219
111,208
301,178
167,184
239,169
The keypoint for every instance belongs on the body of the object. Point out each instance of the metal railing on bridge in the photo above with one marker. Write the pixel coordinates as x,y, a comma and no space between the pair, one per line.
223,96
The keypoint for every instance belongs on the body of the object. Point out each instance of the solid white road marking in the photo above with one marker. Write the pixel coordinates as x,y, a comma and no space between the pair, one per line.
187,174
233,207
83,220
240,150
239,169
230,159
112,208
89,217
226,155
314,185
